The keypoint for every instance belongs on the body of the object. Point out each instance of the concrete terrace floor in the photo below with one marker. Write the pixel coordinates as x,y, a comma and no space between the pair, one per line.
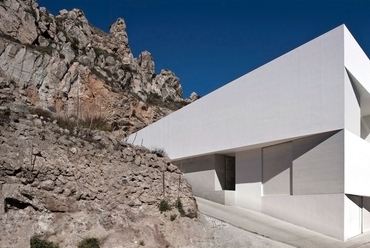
276,229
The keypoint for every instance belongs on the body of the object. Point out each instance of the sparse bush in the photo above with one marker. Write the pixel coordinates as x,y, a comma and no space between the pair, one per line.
142,243
159,152
41,112
36,242
75,43
164,206
98,74
174,105
156,100
179,207
173,217
4,116
96,122
93,123
89,243
98,51
66,123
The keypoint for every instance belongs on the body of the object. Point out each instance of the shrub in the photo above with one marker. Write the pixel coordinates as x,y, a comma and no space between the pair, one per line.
75,43
159,152
4,116
41,112
89,243
155,99
93,123
164,206
179,207
36,242
173,217
66,123
98,74
142,243
96,122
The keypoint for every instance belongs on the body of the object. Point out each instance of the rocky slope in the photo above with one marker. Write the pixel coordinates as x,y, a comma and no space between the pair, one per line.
64,64
61,176
66,187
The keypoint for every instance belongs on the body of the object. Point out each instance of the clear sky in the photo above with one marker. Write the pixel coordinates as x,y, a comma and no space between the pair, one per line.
208,43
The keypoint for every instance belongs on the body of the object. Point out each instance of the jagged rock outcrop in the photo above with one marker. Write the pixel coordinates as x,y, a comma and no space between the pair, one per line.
194,96
17,21
167,77
56,60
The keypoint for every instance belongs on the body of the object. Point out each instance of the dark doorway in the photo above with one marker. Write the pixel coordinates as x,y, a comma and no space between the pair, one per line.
229,173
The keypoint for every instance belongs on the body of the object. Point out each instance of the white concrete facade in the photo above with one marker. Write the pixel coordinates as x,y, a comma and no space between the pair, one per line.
289,139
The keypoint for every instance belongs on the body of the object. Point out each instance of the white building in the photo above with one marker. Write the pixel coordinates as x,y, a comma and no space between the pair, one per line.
289,139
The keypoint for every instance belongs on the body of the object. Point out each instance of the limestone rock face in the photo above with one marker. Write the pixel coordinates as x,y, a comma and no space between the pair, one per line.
118,32
146,62
59,63
194,96
64,182
168,85
17,20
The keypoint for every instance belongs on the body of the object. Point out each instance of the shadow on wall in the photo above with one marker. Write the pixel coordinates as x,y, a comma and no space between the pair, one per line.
279,158
202,163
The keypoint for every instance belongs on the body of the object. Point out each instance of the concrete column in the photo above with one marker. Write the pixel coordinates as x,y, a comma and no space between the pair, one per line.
248,171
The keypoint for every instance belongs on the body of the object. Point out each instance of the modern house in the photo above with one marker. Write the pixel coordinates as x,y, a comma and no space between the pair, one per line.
289,139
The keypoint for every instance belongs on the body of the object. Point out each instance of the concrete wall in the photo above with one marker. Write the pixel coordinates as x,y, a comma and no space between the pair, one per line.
276,169
352,107
322,213
248,181
357,215
356,61
201,181
365,128
318,166
220,182
366,214
297,94
204,173
200,173
207,175
352,216
357,161
225,197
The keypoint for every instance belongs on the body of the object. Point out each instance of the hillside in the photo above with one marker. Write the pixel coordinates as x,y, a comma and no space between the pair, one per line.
69,95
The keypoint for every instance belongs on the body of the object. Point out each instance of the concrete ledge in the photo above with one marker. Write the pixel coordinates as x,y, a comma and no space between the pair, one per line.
225,197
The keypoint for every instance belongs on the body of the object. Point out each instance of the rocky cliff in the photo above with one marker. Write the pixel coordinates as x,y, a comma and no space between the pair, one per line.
69,95
64,64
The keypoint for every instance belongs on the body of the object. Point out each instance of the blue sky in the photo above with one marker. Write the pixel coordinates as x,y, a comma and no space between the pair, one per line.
208,43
